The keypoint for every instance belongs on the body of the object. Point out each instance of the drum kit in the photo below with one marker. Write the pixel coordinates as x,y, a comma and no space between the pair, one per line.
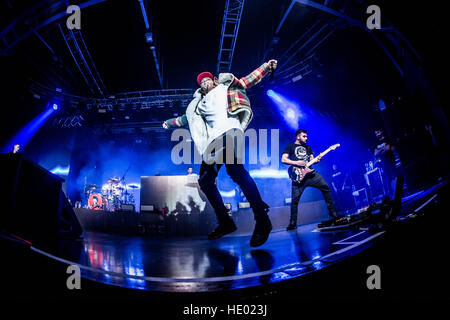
111,196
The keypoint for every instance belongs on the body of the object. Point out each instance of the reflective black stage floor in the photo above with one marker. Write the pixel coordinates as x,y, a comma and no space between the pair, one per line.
198,264
195,264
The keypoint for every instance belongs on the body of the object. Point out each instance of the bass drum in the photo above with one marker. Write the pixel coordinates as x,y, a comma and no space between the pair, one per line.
97,202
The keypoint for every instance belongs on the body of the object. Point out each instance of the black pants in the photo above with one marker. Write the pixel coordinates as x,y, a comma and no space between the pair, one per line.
389,174
315,180
237,172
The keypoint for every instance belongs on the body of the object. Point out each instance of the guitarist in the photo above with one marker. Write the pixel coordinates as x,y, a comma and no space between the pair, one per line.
298,154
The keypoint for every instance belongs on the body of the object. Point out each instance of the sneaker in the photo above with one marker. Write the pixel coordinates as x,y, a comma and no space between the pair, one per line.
222,229
262,230
291,227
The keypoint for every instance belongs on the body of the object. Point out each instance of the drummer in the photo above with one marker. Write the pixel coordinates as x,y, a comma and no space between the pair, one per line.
110,186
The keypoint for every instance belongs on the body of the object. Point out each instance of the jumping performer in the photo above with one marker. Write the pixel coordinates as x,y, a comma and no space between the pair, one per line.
221,109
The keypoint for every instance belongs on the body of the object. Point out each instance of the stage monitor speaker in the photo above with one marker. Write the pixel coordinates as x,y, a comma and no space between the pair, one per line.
36,207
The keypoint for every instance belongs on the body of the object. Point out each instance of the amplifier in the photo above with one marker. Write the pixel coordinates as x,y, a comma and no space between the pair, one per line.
360,197
127,207
149,208
243,205
374,179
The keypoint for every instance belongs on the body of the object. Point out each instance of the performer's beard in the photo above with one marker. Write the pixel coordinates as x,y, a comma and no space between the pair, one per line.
207,88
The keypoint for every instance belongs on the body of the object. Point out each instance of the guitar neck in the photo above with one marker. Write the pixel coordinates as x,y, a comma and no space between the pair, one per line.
310,163
325,152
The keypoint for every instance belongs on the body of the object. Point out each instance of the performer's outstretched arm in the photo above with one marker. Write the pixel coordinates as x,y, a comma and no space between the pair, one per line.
256,76
175,122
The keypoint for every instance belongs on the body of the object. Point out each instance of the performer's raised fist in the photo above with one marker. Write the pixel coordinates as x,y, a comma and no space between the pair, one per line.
273,63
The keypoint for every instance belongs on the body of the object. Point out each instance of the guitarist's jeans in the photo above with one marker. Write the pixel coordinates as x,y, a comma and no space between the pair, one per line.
237,172
315,180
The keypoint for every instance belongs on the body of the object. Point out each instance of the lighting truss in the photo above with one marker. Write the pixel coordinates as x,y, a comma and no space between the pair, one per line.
354,13
145,99
163,98
150,38
33,19
83,60
230,28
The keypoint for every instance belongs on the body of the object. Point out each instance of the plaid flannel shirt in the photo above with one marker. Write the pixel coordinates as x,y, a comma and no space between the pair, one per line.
237,97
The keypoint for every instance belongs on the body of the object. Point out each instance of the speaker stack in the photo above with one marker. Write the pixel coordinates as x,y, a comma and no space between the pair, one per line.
36,208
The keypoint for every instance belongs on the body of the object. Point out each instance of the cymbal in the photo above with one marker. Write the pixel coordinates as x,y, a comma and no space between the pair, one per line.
119,188
92,186
113,180
133,187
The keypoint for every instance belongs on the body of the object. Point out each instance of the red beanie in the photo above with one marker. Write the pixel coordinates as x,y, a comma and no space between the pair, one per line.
202,75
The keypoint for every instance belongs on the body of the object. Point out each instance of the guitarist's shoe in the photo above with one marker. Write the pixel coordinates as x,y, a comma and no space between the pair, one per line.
222,229
291,227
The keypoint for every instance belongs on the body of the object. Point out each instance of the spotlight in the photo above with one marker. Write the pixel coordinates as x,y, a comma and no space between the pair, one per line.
289,110
290,114
149,37
55,106
28,131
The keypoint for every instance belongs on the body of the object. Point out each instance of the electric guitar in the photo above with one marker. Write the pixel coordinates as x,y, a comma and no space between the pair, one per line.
297,174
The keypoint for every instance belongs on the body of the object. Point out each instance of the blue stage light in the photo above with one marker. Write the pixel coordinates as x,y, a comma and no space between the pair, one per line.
269,173
290,114
55,106
228,194
289,110
26,133
64,171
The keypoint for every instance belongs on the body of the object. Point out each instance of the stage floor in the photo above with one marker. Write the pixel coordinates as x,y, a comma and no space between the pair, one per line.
198,264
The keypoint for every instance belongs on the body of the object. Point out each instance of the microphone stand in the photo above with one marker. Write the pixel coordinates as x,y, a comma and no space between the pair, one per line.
126,189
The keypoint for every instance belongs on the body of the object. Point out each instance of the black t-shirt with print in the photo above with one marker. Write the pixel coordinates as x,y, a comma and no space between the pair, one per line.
386,156
298,152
